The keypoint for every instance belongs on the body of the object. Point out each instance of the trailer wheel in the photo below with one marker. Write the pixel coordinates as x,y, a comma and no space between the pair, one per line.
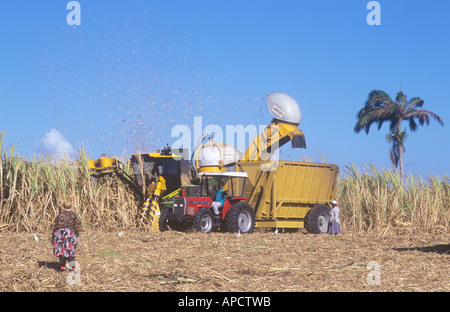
316,220
241,218
204,220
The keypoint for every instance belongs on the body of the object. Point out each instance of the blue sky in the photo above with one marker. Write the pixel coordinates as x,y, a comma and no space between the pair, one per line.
132,70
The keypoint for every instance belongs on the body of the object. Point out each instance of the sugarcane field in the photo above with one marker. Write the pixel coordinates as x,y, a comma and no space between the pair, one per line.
225,155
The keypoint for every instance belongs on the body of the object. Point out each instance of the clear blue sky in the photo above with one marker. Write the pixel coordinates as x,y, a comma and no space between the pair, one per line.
133,70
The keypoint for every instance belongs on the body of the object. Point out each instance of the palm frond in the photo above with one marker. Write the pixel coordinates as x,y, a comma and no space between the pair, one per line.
412,125
414,103
378,92
393,123
400,98
396,144
377,96
423,116
394,154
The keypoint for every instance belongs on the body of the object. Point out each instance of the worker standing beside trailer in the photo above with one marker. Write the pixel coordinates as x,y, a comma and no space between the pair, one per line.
334,227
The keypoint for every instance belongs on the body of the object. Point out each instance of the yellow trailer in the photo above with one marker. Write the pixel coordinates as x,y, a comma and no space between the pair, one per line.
288,194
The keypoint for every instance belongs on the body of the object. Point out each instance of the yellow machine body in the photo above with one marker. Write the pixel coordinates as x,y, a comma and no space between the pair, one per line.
103,165
150,211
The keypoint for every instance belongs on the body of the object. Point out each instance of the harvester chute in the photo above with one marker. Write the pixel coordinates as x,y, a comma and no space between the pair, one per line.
282,129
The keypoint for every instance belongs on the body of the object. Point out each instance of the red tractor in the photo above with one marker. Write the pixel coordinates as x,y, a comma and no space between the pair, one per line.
195,209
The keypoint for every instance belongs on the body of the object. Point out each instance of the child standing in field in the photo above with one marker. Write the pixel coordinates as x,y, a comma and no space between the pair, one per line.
334,226
65,236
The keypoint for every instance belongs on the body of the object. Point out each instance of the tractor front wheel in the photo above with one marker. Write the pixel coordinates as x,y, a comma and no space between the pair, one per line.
204,220
241,218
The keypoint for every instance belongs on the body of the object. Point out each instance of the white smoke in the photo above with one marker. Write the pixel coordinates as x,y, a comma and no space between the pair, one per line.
55,145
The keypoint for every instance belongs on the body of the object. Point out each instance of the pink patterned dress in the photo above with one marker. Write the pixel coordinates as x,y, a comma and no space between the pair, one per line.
65,234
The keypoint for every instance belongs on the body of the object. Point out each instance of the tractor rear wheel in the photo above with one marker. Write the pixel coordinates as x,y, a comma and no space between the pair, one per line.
204,220
241,218
316,220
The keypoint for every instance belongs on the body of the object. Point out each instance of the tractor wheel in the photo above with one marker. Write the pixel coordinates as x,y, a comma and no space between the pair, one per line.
241,218
316,220
163,222
179,226
166,225
204,220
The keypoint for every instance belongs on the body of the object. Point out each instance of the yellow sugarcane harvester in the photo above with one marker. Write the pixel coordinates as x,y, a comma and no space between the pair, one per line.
154,174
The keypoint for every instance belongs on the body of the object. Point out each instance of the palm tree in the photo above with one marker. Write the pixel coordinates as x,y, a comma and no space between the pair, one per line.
380,108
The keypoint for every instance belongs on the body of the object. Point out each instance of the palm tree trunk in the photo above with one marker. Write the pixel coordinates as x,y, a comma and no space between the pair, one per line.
401,149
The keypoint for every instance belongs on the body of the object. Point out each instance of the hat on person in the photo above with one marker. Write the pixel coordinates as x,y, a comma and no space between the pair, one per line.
67,206
334,202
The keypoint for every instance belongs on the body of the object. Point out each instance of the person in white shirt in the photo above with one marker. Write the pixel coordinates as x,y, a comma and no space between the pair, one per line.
334,225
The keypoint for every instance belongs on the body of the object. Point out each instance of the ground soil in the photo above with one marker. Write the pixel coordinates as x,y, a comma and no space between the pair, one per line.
225,262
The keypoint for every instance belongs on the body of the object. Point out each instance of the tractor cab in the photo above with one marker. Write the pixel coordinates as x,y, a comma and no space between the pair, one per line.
232,183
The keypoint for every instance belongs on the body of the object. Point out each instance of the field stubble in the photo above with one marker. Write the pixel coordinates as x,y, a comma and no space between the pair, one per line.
223,262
